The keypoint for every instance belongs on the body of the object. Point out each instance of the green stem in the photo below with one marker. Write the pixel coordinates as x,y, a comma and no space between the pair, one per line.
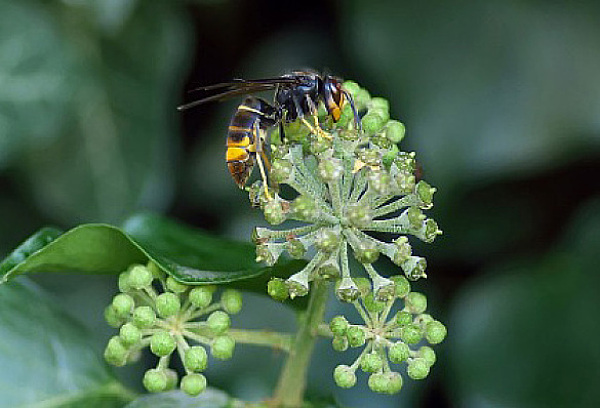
276,340
292,381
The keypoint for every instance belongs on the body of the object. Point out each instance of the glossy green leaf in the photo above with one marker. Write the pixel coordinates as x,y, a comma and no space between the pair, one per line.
45,356
211,398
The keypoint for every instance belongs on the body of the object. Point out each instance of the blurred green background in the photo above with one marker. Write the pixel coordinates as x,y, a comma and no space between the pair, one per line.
501,100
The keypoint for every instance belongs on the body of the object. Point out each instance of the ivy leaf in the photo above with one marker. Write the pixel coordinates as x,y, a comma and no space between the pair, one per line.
45,356
211,398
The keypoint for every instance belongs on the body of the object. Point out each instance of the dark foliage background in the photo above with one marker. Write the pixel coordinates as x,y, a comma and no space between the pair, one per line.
501,100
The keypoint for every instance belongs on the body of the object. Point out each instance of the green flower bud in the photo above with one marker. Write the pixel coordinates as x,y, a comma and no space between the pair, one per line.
122,305
144,317
402,285
395,131
371,362
344,376
176,287
124,285
389,156
167,304
384,114
411,334
338,325
414,268
361,99
372,123
425,193
218,322
172,378
339,343
403,250
162,343
281,171
139,277
352,87
295,248
329,270
423,319
415,217
193,384
359,215
372,305
346,290
435,332
231,300
427,354
303,208
394,383
418,369
130,334
330,169
327,240
378,103
403,318
274,212
378,382
201,296
277,289
415,302
366,253
356,336
155,380
111,317
222,347
398,352
115,352
195,359
429,231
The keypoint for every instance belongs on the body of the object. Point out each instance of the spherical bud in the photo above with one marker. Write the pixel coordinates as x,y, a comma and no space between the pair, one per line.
339,343
378,103
231,300
277,289
176,287
378,382
195,359
303,208
411,334
356,336
415,302
372,305
425,193
372,122
395,131
130,334
222,347
111,317
155,380
327,240
218,322
167,304
366,253
162,343
122,305
403,318
115,352
402,251
359,215
281,171
344,376
124,285
380,182
394,383
330,169
427,354
338,325
371,362
398,352
423,319
346,290
352,87
295,248
274,212
361,99
435,332
139,277
418,369
144,317
402,285
201,296
414,268
193,384
329,270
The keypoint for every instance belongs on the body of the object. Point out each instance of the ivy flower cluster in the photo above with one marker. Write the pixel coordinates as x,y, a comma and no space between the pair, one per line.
387,338
155,311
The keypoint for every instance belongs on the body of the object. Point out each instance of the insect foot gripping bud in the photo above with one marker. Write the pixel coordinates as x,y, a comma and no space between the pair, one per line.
169,317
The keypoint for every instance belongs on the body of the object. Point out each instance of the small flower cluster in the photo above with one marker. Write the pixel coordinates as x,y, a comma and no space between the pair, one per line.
387,339
346,181
157,311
